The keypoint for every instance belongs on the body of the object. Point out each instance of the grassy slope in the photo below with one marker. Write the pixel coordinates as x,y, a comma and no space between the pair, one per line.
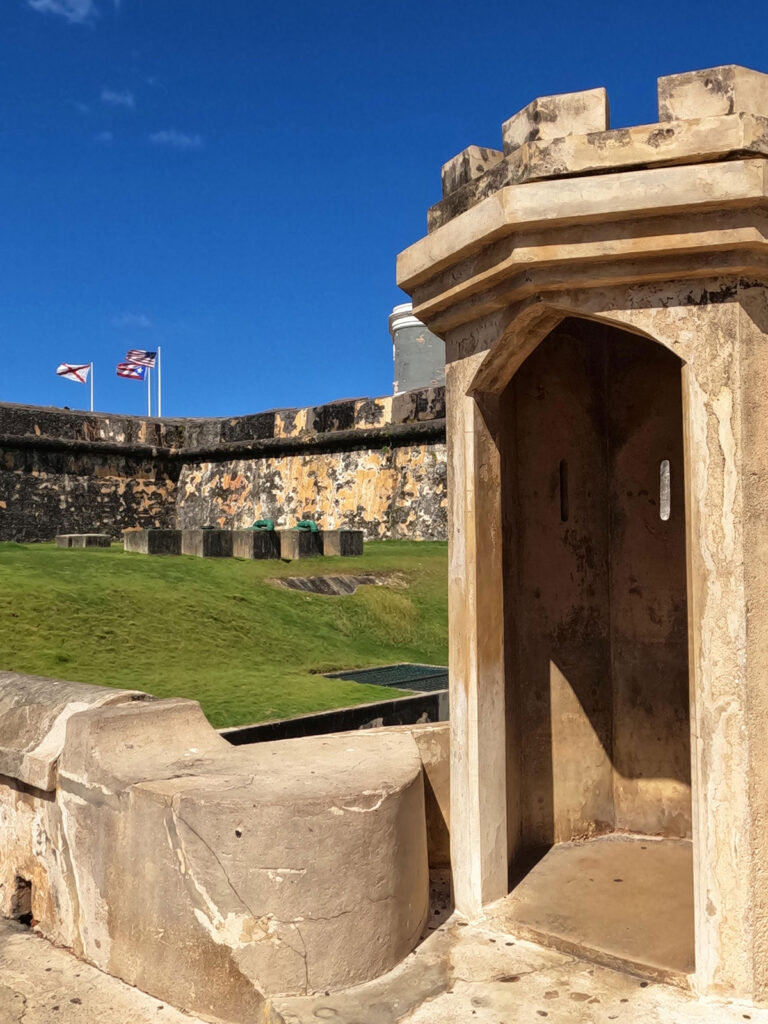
217,630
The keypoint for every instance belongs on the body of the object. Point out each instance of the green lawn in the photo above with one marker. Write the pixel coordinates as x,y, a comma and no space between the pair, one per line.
217,630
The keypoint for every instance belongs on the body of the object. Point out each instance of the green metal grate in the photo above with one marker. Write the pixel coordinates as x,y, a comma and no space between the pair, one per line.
420,678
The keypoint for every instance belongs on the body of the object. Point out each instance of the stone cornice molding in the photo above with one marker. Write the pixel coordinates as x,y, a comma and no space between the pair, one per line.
624,228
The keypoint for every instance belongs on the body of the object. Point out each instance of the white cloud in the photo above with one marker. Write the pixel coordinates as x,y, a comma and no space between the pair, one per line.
115,98
104,137
75,11
179,140
133,321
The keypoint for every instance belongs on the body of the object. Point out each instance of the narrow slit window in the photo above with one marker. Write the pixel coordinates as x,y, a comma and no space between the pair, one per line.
563,491
665,492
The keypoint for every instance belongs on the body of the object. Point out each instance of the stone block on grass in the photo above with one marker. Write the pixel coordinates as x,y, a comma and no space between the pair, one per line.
83,540
207,543
299,544
342,542
152,542
255,544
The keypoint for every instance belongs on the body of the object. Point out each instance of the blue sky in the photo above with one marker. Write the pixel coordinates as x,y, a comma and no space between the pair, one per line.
232,179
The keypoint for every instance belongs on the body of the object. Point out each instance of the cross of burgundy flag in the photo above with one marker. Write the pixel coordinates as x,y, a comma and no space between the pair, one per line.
131,371
74,372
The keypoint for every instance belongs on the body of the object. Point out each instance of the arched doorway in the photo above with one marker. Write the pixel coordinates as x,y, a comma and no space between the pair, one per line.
596,646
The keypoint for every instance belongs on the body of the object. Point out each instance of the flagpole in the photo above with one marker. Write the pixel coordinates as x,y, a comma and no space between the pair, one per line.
159,383
149,391
91,387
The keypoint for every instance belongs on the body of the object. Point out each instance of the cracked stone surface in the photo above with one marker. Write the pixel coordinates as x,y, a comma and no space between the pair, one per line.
40,984
459,975
477,974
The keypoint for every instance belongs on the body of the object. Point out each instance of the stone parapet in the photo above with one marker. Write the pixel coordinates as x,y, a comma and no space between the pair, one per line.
373,418
208,875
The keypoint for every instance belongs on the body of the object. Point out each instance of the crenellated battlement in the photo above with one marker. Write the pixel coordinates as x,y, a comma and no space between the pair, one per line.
704,116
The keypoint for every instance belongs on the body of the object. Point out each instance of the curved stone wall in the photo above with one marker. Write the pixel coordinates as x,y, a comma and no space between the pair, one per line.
208,875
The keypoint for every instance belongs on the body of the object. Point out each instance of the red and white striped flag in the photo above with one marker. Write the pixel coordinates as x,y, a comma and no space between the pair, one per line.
131,370
73,371
141,357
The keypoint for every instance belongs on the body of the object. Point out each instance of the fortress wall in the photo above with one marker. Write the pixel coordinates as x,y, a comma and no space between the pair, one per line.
373,464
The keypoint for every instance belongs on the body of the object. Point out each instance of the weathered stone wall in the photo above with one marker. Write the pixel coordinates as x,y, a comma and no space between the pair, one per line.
372,464
387,492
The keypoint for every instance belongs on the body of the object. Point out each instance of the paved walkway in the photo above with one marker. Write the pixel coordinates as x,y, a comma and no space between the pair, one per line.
459,975
40,984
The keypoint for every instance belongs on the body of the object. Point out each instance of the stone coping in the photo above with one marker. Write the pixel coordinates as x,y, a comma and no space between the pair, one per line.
34,712
348,423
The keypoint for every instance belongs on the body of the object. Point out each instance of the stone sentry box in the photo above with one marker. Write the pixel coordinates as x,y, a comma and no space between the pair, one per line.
602,297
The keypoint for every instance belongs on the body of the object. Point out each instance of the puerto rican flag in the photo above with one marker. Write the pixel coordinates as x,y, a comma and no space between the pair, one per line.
73,371
131,371
141,357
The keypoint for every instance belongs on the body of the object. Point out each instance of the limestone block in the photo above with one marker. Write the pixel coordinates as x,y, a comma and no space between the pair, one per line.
552,117
299,544
419,406
255,544
83,540
468,165
729,89
152,542
373,412
342,542
207,543
34,712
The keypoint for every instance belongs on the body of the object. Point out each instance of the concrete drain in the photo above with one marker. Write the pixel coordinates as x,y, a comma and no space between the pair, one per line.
338,585
21,902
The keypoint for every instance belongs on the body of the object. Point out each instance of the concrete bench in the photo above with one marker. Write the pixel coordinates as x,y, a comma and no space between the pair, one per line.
207,543
152,542
83,540
255,544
